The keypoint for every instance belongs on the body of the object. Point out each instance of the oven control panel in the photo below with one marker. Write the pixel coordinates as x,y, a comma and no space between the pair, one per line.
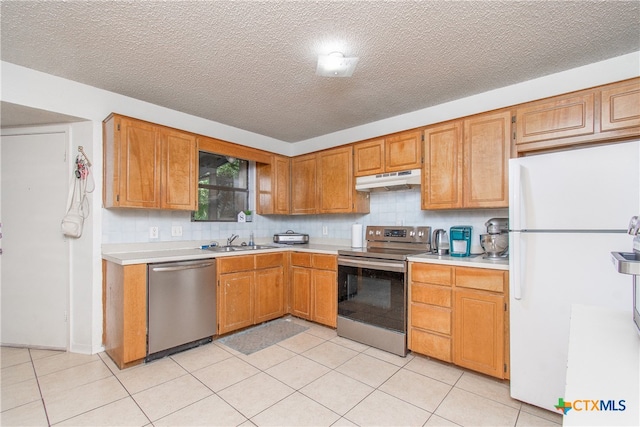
398,234
394,232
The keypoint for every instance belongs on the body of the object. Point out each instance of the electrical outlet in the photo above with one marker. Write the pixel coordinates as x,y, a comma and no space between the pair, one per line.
153,232
325,230
176,230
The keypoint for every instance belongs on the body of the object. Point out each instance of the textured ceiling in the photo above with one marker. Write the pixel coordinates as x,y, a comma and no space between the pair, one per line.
251,64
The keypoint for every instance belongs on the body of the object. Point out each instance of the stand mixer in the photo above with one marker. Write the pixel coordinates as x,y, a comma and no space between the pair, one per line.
496,242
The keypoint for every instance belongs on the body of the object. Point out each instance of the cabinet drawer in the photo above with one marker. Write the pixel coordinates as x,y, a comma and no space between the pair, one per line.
432,318
432,273
430,344
233,264
480,278
324,262
270,260
301,259
429,294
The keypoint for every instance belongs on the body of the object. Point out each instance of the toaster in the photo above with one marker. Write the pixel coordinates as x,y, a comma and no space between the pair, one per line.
460,240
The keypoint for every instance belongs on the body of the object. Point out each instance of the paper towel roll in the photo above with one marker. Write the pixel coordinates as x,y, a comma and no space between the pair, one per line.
356,235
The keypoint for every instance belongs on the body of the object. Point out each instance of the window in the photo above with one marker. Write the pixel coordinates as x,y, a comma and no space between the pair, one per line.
223,187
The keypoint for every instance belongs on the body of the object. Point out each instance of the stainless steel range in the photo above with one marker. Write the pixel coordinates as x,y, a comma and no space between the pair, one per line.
372,286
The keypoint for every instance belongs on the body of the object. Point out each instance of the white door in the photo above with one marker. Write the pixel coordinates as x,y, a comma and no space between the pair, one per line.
35,256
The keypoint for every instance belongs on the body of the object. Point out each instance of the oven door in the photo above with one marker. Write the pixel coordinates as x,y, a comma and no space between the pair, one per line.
373,291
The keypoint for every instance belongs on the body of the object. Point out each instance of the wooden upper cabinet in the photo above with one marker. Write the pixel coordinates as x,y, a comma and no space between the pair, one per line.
148,166
179,172
442,172
304,198
336,186
602,114
132,163
556,118
486,160
273,181
466,163
403,151
620,106
397,152
368,157
323,183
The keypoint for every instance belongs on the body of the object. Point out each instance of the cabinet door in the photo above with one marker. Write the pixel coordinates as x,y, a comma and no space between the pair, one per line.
125,299
179,171
620,106
235,301
368,157
282,176
559,117
272,186
335,180
301,292
478,337
442,171
403,151
139,171
269,294
486,160
303,185
325,297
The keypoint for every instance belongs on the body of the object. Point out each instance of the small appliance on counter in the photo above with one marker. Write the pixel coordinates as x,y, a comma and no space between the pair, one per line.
460,237
440,242
496,242
290,237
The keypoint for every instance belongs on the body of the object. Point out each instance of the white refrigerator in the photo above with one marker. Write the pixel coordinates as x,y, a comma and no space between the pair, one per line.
567,211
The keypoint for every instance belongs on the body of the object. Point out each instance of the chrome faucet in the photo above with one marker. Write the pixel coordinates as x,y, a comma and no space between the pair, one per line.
231,239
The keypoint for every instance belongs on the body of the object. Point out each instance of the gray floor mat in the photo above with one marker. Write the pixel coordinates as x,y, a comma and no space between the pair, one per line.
262,336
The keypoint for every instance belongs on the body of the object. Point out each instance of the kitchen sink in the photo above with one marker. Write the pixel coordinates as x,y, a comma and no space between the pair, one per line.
626,262
239,248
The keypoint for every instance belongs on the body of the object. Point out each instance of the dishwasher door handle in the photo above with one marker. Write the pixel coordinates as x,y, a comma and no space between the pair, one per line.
182,267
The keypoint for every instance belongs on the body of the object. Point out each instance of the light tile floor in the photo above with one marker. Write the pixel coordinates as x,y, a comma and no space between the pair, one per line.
312,379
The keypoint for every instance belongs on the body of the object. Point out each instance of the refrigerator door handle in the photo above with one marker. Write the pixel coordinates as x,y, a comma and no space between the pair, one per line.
516,221
516,267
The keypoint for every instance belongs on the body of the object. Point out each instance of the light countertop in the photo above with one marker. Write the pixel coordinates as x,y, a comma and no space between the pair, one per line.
477,261
148,255
127,254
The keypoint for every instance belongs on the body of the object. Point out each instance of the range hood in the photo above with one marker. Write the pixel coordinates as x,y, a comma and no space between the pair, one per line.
389,181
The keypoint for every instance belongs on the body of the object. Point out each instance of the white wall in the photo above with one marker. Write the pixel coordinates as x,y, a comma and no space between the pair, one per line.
34,89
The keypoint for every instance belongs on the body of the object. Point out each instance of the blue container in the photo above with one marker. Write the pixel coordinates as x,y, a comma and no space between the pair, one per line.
460,240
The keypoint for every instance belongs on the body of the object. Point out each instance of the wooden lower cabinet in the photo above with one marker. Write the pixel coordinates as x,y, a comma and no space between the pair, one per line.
125,312
251,290
430,310
314,287
235,301
478,340
269,294
459,315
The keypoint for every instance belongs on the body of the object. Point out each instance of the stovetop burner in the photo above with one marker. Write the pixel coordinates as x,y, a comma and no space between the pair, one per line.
396,243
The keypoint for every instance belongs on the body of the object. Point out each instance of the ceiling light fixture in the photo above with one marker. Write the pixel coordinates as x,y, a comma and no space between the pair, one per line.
336,65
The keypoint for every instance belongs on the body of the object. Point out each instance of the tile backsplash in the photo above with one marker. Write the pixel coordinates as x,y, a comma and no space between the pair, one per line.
386,208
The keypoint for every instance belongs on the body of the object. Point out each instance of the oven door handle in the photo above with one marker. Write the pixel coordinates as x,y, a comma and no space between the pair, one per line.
373,265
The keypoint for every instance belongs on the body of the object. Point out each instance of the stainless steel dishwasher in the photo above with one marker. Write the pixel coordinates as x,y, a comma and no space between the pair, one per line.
181,309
